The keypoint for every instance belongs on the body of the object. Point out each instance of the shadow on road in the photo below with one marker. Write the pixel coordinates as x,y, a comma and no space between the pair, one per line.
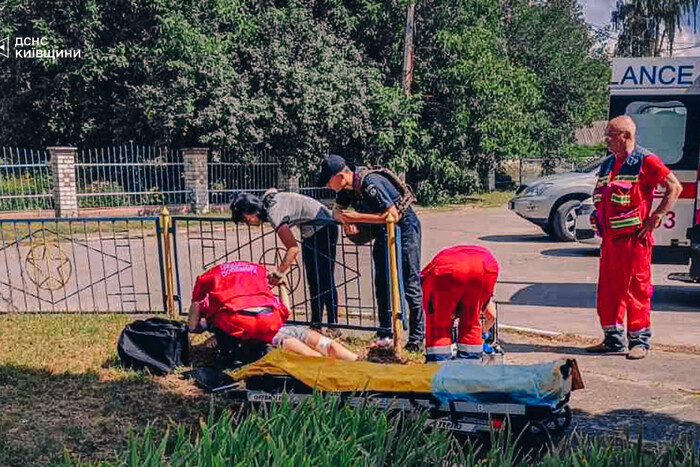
512,347
572,252
627,423
531,238
666,297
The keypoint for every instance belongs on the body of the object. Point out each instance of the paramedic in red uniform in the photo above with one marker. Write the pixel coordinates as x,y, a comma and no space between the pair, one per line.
235,301
458,283
623,197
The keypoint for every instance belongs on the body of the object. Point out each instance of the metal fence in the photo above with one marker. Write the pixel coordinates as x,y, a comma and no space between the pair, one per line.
128,264
25,180
130,175
200,243
232,172
308,186
81,265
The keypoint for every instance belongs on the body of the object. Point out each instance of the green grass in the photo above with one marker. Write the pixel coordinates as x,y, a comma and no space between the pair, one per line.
321,432
65,401
493,199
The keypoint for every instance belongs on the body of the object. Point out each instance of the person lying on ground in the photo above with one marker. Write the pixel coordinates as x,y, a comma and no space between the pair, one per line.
235,302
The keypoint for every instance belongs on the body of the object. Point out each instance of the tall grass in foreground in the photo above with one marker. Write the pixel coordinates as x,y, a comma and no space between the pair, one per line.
321,432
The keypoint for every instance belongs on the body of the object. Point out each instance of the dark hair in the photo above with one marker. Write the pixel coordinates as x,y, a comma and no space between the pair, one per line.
245,203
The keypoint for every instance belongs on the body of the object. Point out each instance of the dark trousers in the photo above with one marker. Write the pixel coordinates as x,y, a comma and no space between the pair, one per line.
318,254
410,265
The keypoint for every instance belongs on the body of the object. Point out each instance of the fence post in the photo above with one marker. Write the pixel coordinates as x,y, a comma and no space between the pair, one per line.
167,261
197,177
394,276
490,180
65,195
285,180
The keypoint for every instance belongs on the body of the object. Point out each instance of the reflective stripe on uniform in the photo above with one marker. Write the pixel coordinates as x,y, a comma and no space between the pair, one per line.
640,332
622,222
439,350
621,199
470,348
627,178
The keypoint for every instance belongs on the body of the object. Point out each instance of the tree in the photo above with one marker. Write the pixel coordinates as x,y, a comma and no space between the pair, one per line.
552,40
648,27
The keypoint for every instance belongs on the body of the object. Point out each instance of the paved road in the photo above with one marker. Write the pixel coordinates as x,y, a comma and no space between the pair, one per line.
550,285
660,394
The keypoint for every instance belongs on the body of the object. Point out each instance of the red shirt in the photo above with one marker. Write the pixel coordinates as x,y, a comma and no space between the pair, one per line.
653,172
234,286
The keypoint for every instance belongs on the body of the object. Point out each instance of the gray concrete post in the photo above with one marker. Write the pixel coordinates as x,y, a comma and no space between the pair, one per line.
197,178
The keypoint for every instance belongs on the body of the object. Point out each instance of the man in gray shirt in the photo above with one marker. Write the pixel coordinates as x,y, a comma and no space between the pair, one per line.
319,235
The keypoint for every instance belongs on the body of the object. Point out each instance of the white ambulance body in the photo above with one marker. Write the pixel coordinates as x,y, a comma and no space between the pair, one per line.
662,96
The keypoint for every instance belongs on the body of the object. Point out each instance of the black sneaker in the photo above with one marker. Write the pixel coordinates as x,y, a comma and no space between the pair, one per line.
603,348
413,347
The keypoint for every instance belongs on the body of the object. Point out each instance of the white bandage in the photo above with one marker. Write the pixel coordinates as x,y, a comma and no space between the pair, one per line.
324,345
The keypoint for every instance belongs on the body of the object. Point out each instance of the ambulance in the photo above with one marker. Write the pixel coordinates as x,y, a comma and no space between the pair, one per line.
662,96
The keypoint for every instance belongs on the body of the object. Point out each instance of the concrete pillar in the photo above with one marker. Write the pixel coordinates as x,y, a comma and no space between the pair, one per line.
489,180
197,178
286,181
62,165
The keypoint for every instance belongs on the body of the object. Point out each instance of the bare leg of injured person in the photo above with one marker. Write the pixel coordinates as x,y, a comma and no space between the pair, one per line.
317,345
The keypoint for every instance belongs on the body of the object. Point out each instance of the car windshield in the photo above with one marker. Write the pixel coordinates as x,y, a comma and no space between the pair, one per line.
590,167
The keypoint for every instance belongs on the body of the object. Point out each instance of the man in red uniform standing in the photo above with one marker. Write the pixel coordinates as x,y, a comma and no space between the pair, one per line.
623,197
458,283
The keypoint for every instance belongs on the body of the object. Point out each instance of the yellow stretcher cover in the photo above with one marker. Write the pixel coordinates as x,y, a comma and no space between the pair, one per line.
328,374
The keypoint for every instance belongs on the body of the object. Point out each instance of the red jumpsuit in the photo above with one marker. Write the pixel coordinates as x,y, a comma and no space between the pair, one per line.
623,198
231,292
457,283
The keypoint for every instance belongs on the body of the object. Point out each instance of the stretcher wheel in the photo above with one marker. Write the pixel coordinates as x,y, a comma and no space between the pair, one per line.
537,435
560,420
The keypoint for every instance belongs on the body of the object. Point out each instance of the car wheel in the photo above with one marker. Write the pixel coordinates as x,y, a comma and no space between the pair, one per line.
547,230
565,221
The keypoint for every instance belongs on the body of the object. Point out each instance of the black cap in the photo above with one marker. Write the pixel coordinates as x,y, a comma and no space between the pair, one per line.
330,166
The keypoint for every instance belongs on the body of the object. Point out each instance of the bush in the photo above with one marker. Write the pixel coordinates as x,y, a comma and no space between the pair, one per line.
25,184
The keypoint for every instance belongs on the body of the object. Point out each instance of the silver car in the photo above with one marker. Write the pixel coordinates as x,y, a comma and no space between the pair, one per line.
551,202
584,231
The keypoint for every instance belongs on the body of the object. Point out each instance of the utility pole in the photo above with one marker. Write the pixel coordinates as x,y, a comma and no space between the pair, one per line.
407,75
408,49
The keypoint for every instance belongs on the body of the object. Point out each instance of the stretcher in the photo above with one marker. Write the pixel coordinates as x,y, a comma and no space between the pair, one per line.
458,396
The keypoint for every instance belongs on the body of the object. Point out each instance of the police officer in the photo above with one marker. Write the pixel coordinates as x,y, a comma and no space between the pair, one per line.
374,194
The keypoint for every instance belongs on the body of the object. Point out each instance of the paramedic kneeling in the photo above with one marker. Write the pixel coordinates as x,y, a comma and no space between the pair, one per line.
458,284
236,302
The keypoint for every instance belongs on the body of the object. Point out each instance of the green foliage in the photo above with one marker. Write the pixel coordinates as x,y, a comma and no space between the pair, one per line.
554,43
318,432
584,153
305,78
647,28
25,184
